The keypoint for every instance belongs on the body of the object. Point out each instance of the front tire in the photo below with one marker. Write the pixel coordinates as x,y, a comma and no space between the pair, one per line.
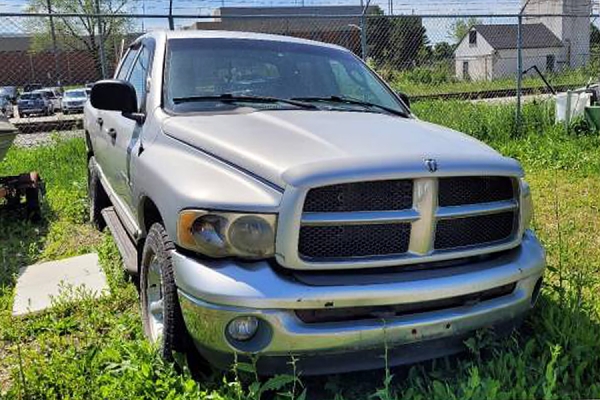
161,313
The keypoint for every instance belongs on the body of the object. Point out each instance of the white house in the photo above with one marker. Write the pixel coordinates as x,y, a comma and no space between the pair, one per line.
549,42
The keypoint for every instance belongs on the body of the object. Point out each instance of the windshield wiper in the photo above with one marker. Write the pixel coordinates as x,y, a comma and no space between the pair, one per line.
231,98
349,100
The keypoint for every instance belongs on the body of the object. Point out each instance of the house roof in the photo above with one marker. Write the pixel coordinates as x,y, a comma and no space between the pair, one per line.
504,36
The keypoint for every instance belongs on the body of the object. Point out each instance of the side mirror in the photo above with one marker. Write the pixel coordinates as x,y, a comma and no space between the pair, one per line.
404,99
114,95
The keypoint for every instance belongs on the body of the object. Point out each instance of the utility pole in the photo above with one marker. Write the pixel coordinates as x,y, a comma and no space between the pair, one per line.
171,22
143,14
100,41
363,32
54,46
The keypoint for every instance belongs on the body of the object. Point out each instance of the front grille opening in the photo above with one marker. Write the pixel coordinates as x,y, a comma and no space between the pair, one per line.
336,242
361,196
472,231
474,189
315,316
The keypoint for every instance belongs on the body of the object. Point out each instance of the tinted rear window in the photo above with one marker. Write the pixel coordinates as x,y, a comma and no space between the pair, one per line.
31,96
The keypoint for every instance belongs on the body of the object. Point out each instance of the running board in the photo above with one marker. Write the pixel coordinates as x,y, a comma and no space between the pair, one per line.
124,243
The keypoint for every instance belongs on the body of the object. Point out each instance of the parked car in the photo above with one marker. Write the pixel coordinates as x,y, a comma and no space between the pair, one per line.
6,107
34,103
54,96
74,100
278,199
11,92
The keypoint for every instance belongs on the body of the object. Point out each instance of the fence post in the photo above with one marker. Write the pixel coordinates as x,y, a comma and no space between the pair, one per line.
171,22
519,71
363,37
363,32
54,47
100,41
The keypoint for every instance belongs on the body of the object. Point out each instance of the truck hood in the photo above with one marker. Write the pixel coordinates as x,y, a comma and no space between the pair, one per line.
298,147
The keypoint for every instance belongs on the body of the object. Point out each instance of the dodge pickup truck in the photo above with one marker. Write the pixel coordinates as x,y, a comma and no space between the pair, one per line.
276,198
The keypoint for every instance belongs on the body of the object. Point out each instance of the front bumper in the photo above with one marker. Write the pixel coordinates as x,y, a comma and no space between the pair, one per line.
35,110
72,108
212,293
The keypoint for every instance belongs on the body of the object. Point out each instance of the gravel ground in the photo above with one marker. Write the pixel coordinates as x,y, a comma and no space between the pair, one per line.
43,138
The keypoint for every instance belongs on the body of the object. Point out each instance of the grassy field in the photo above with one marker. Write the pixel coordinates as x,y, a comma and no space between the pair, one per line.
432,84
96,349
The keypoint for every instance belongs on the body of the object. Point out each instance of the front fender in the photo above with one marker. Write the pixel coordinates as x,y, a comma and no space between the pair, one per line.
176,176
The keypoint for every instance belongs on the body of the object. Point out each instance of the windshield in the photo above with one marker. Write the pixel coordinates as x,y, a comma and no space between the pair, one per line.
31,96
201,69
75,94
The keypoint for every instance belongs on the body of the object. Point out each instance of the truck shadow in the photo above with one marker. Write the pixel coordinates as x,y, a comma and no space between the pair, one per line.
21,243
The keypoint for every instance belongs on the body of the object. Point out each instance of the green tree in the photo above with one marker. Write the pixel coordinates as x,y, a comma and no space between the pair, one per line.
84,32
443,51
396,42
459,29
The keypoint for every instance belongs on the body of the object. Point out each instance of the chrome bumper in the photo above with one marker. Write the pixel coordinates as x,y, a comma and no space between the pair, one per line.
212,293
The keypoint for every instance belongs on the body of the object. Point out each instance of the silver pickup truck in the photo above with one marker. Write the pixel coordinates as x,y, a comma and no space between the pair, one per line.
278,199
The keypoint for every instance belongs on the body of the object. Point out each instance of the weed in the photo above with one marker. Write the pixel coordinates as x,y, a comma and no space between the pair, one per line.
96,349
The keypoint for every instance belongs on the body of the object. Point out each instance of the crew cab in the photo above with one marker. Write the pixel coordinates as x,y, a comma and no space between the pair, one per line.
277,198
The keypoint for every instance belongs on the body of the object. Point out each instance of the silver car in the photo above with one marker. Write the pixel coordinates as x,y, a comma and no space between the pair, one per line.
74,100
278,199
53,95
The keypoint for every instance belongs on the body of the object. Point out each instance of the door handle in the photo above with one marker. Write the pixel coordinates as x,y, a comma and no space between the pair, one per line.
100,121
112,133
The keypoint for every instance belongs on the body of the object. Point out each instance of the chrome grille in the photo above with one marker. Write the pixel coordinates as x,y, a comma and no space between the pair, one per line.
446,218
331,242
361,196
483,229
474,189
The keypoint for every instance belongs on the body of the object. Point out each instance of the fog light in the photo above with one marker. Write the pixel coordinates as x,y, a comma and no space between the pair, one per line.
243,328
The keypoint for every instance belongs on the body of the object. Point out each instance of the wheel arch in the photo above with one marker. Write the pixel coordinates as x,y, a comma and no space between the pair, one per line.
88,145
149,214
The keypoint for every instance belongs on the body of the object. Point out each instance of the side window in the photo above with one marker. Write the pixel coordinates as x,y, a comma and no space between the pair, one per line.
138,75
126,64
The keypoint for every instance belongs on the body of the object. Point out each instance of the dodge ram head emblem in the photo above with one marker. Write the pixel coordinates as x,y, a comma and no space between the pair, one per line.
431,164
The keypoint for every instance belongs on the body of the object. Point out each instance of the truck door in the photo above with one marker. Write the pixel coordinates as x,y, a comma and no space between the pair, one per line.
123,133
94,118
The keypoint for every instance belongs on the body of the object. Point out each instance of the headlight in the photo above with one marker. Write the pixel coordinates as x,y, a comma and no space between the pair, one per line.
222,234
526,205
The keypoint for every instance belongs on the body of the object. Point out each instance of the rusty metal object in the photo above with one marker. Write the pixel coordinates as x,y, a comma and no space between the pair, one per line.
23,191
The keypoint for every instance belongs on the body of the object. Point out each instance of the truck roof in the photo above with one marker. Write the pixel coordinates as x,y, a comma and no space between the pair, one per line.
218,34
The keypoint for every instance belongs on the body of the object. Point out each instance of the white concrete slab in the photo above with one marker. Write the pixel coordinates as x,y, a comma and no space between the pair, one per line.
38,284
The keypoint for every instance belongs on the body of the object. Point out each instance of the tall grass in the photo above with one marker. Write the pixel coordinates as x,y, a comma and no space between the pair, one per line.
96,349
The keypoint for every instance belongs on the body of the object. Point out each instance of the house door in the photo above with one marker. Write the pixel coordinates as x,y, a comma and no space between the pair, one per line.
465,70
550,59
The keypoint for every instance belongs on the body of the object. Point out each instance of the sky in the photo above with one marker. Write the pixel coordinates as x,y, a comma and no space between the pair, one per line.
399,6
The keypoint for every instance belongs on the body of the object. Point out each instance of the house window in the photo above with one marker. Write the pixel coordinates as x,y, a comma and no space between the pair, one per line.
550,60
465,70
472,37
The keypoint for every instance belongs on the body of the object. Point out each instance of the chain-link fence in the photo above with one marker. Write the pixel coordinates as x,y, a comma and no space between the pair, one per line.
429,57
